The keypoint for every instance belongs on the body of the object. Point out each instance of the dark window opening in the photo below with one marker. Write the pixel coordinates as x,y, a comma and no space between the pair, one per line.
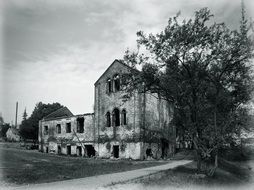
90,150
124,119
58,128
46,130
116,151
47,149
117,83
68,127
116,117
109,86
108,119
68,149
80,125
79,151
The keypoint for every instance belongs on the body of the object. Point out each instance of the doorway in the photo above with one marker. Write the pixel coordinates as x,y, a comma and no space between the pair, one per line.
90,150
79,151
59,150
116,151
68,149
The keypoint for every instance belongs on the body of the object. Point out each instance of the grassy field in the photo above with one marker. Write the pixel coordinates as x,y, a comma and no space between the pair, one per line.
229,175
27,167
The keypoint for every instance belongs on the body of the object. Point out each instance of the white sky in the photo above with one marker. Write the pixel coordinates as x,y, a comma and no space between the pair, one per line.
54,51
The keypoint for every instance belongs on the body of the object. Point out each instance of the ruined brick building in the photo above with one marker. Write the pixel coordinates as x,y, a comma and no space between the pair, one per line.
137,128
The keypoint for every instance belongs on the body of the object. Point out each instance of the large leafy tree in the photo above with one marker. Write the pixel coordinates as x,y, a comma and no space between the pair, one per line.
30,126
204,70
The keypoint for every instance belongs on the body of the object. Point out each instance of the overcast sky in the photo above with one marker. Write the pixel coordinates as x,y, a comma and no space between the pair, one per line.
54,51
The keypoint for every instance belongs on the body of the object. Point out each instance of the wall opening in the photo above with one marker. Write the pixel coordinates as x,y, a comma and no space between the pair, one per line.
46,130
90,150
123,117
149,152
116,117
68,127
116,151
59,149
79,151
68,147
116,83
58,128
80,124
109,86
108,119
47,149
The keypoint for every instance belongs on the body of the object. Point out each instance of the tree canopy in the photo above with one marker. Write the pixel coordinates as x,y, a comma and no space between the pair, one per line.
204,70
30,126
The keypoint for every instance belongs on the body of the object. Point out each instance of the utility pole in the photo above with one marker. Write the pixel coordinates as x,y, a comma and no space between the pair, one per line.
16,117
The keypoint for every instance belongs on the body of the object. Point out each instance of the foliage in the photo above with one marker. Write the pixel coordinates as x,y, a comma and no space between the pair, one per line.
3,129
30,126
204,71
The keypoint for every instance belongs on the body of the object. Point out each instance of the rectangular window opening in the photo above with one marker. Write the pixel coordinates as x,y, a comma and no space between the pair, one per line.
80,124
68,127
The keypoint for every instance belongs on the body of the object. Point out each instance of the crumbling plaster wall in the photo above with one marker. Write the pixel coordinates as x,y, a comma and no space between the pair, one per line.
108,101
53,139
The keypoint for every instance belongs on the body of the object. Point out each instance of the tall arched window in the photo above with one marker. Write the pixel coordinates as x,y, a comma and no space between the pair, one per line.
109,86
116,117
108,119
116,82
123,117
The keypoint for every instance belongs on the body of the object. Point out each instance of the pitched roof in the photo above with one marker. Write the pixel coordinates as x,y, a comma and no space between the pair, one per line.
118,61
62,112
14,130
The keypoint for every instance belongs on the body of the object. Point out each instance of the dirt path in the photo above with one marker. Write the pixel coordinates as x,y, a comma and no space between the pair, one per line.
95,182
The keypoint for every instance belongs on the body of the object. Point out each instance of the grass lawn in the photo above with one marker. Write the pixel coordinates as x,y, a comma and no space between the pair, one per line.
29,167
231,175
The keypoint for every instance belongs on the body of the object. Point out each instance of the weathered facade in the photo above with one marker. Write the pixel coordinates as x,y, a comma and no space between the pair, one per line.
136,128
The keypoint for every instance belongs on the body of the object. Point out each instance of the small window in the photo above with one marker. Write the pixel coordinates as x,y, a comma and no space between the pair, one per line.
58,128
68,127
116,83
124,119
46,130
108,119
80,125
109,86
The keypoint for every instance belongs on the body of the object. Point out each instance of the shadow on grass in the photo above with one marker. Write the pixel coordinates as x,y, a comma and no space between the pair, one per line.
228,174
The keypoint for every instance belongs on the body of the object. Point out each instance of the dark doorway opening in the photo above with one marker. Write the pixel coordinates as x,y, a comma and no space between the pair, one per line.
116,151
47,149
149,152
90,150
79,151
164,148
68,149
59,150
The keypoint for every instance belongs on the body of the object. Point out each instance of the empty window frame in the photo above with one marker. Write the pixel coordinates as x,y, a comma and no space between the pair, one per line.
108,119
109,86
80,125
123,117
116,117
116,80
46,130
68,127
58,128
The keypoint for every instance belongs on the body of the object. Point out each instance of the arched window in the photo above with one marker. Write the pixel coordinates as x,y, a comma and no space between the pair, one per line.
109,86
108,119
116,117
123,117
116,82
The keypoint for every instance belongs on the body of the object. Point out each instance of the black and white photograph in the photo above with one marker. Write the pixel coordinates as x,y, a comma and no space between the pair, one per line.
126,95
